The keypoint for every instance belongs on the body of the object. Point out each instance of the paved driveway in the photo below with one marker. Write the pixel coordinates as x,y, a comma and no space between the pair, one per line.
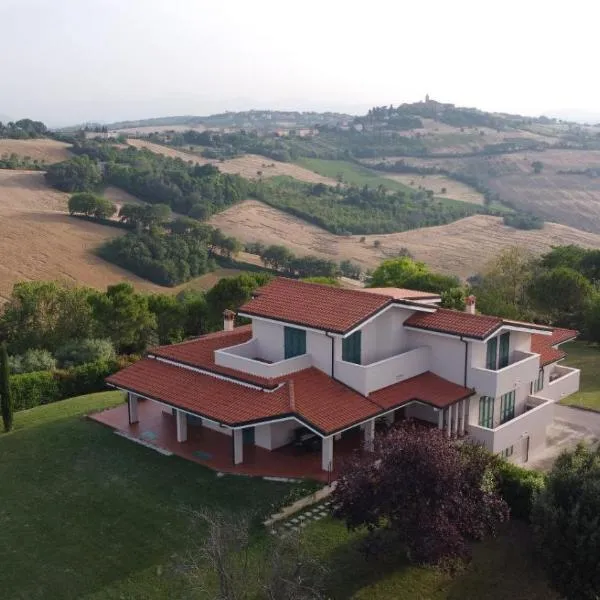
570,426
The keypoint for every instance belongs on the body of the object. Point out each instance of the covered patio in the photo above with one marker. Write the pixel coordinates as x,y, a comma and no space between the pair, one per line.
157,427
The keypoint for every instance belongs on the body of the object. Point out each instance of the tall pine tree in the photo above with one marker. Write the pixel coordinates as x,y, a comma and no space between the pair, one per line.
5,396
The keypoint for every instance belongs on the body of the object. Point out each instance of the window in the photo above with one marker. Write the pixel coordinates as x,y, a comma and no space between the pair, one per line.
492,350
507,452
538,384
507,407
486,412
504,350
351,348
294,342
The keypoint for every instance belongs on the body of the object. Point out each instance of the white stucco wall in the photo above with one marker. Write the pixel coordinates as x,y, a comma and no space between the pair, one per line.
282,433
270,339
212,425
447,355
521,395
262,436
384,336
416,410
318,345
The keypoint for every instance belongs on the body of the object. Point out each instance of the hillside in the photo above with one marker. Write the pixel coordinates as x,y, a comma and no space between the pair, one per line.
41,149
461,248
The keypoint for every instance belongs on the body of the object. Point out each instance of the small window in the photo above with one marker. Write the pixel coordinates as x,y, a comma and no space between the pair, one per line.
486,412
507,452
294,342
538,384
507,407
351,348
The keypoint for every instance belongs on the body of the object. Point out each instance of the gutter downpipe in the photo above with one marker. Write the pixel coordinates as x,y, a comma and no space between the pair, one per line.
466,343
328,334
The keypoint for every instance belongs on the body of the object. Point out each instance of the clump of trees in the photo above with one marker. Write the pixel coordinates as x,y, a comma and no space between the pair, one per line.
522,220
78,174
566,522
14,161
420,492
23,129
91,205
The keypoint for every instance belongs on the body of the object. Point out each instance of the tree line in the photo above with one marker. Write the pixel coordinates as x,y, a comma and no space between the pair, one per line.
23,129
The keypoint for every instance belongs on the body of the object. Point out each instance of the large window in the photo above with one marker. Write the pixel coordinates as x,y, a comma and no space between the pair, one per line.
492,352
507,407
351,348
294,342
486,412
538,384
504,350
497,354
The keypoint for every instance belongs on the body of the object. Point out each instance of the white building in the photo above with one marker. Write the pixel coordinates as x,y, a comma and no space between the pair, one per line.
327,361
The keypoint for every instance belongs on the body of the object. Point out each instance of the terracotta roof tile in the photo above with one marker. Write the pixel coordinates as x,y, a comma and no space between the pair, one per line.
314,305
455,322
427,387
545,345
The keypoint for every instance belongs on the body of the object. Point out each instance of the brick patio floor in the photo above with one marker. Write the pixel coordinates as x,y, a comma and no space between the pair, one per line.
215,450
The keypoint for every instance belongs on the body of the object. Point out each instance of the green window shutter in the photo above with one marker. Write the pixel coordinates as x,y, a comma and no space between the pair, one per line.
351,348
492,351
507,407
294,342
504,350
486,412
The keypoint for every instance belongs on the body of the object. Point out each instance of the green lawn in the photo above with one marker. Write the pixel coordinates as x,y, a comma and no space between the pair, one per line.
586,357
85,514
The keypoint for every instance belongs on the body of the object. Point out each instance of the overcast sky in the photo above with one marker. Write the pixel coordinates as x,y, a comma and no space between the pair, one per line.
69,61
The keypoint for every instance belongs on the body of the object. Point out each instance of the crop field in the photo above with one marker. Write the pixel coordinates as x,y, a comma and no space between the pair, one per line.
250,166
461,248
38,240
50,151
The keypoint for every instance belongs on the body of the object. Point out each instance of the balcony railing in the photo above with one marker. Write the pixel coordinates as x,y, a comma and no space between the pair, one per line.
522,368
369,378
538,415
246,357
564,381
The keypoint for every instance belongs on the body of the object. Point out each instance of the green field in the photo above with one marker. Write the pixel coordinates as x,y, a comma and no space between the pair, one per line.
581,355
88,515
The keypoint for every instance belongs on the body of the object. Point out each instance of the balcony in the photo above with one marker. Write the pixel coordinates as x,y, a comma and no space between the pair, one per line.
564,381
246,358
369,378
522,368
539,413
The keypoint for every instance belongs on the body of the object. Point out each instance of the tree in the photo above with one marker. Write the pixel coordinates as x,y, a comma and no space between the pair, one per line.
396,272
33,360
5,394
454,298
80,352
537,166
79,174
421,493
566,522
349,269
277,257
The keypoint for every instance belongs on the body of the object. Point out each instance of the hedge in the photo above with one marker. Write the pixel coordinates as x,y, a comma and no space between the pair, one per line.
43,387
518,487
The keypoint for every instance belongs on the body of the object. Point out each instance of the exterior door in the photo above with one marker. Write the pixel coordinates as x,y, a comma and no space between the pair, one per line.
525,450
504,350
248,435
294,342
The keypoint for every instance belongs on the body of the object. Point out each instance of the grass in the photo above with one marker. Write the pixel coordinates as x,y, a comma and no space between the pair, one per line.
501,568
86,514
581,355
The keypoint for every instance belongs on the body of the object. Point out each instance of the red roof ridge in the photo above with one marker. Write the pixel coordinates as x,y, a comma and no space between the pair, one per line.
206,336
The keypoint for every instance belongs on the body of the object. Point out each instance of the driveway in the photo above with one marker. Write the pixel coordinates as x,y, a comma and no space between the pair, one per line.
571,426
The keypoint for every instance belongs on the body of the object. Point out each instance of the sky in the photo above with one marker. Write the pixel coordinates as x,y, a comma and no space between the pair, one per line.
72,61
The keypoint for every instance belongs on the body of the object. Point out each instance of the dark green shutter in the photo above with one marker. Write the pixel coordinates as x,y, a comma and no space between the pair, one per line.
507,407
294,342
486,412
504,348
490,359
351,348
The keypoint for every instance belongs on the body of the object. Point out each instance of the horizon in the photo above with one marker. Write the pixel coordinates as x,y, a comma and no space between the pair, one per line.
106,61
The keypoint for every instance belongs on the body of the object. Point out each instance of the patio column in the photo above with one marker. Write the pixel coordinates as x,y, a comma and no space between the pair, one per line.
132,407
181,419
327,454
390,417
238,446
369,433
455,414
467,403
441,418
449,421
463,417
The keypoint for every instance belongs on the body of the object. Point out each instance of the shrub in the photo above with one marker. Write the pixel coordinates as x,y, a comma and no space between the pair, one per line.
519,487
32,360
32,389
79,352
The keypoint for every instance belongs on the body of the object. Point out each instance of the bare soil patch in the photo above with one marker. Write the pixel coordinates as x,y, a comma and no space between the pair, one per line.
50,151
39,241
461,248
248,165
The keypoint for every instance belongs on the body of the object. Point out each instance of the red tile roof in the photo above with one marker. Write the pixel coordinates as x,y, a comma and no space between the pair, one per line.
199,353
428,388
455,322
313,305
545,345
318,400
401,293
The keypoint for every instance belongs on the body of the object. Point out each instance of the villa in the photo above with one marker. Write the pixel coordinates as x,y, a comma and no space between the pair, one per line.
319,369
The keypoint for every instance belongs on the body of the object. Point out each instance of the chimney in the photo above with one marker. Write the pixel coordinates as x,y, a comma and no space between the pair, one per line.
292,395
228,319
470,305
